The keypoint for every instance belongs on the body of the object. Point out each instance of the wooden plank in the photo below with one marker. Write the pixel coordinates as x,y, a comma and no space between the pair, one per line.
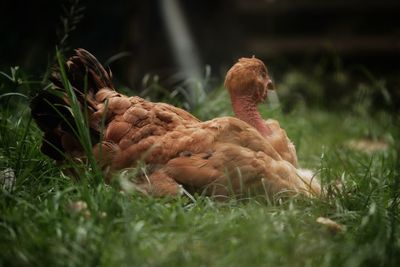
344,45
267,6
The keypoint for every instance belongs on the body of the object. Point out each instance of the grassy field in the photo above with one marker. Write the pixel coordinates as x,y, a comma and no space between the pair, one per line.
46,219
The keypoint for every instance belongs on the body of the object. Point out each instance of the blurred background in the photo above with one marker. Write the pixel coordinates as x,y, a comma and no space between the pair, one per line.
317,51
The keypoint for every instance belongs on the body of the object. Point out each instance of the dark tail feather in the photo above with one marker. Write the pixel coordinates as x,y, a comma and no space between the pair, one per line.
50,108
82,67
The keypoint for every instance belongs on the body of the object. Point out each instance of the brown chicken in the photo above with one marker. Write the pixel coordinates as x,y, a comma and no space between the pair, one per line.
219,157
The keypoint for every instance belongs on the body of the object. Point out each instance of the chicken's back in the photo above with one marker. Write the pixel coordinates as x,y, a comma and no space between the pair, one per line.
115,119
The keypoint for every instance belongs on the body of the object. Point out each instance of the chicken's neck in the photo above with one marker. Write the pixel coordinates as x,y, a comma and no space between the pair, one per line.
246,109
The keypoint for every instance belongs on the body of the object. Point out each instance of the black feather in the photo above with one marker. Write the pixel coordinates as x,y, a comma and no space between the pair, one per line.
50,107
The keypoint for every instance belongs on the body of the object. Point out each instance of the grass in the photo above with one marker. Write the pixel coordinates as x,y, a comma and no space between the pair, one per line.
41,224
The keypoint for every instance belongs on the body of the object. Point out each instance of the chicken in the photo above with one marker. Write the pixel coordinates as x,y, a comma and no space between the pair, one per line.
250,75
221,157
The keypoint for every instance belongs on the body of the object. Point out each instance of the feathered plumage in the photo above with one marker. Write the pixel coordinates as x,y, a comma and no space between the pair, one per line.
218,157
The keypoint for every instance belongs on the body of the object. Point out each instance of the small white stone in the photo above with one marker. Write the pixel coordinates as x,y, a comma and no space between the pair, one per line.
7,179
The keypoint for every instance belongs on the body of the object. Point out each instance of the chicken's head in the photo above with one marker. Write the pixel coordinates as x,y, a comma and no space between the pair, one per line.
248,78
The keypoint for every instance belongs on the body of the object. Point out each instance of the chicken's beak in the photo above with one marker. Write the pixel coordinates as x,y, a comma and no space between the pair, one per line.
270,85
